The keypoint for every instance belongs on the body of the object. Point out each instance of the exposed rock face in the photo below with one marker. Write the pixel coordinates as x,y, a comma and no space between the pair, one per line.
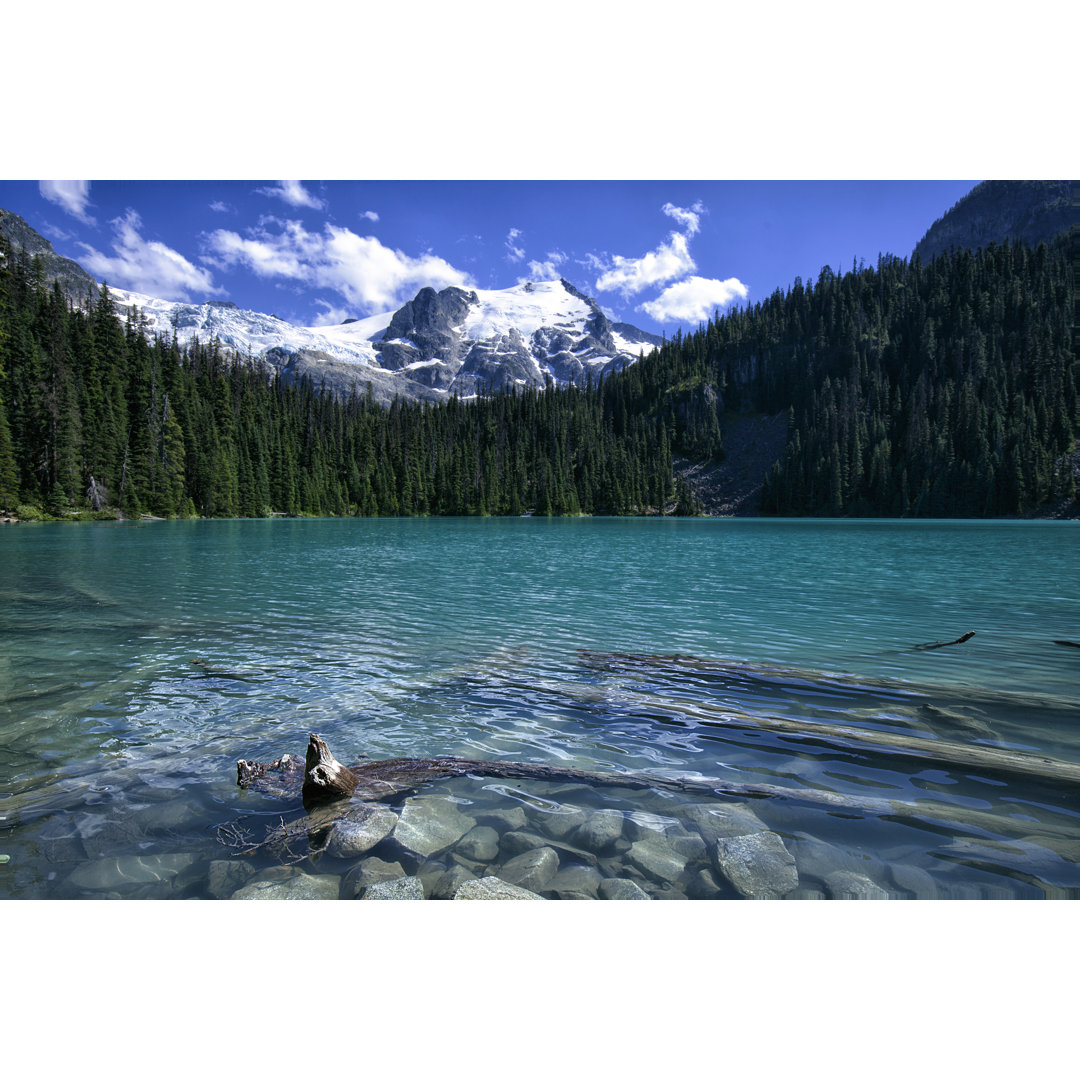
1031,211
74,281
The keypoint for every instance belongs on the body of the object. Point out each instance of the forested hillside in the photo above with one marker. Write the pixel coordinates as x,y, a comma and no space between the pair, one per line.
943,389
96,417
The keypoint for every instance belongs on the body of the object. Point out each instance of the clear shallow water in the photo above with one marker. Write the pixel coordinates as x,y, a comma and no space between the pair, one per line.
774,658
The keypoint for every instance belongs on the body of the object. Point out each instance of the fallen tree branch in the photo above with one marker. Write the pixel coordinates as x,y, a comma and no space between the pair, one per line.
942,644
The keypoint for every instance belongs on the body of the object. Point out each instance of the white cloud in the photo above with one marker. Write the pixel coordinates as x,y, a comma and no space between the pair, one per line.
370,215
219,207
547,270
294,193
629,276
148,266
332,316
370,276
694,299
690,219
513,252
72,195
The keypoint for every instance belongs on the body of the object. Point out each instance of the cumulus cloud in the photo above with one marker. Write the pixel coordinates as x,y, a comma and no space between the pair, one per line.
219,207
690,219
548,269
694,299
630,276
148,266
370,215
370,276
72,195
332,316
513,252
294,193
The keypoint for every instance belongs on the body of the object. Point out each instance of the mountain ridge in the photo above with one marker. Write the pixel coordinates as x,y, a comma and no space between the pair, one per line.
437,344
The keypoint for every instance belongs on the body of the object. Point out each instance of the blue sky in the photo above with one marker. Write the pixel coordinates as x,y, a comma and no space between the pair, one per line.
657,254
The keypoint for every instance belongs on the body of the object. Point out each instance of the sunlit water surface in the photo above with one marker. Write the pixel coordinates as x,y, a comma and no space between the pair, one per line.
773,661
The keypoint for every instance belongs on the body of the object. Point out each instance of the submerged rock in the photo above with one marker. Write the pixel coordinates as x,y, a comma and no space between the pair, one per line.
514,843
511,818
657,859
599,831
480,843
719,819
428,826
225,876
448,882
369,872
360,831
559,825
846,885
622,889
493,888
531,870
704,886
403,888
129,871
757,865
288,883
575,883
914,880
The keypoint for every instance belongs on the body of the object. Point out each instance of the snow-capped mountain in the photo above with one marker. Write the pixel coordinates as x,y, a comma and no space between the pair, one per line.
453,341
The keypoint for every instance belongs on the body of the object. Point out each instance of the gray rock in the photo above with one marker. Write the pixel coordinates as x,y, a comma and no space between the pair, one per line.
225,876
818,859
512,818
360,831
846,885
572,882
560,825
914,880
640,825
446,885
164,817
622,889
492,888
657,859
429,825
805,892
719,819
288,883
514,843
480,843
757,865
599,831
704,886
128,871
369,872
531,870
403,888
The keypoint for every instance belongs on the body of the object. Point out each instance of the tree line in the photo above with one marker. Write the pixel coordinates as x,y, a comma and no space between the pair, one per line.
949,388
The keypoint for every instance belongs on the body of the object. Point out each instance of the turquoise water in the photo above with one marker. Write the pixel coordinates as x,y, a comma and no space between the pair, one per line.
774,660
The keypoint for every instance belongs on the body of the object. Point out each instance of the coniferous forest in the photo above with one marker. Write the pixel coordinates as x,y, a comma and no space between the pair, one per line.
941,389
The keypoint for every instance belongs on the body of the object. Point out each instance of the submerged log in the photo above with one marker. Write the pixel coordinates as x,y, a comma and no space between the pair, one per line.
381,780
942,644
1074,644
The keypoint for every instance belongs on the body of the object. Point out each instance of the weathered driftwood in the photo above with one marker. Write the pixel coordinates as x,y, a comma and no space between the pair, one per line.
941,644
381,780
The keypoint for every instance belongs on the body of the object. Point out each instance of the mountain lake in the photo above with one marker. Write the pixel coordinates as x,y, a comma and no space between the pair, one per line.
767,688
